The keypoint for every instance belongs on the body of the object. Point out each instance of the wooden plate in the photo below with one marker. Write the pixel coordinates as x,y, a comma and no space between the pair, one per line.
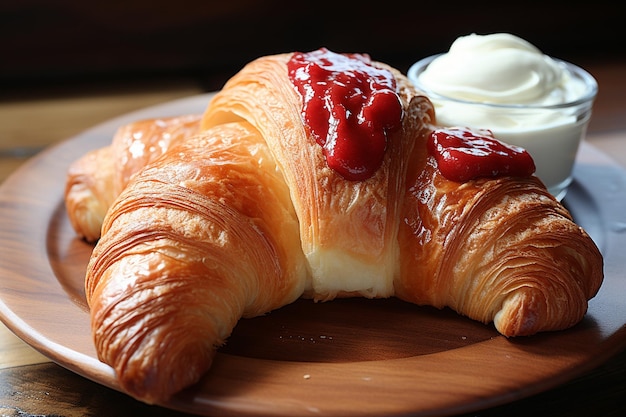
356,357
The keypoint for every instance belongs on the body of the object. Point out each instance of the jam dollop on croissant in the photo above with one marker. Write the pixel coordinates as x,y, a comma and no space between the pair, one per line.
307,175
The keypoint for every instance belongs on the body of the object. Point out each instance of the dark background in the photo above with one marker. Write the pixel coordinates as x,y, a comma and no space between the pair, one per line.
69,42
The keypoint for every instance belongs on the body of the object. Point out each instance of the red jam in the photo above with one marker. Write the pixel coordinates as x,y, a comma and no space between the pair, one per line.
349,106
464,154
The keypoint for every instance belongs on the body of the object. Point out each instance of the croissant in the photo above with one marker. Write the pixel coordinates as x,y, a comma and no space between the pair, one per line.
500,250
96,179
258,208
204,235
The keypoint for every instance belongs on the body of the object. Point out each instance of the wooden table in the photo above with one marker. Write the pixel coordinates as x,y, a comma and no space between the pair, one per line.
30,384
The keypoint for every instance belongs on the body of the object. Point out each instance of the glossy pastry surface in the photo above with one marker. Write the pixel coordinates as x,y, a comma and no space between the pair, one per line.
348,228
203,236
494,249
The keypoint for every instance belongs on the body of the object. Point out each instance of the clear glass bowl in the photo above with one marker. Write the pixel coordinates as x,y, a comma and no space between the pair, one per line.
550,133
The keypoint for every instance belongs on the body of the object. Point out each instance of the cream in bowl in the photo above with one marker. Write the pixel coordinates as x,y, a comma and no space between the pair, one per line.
505,84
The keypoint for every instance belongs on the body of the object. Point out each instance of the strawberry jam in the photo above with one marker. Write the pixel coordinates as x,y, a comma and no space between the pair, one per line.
464,154
349,106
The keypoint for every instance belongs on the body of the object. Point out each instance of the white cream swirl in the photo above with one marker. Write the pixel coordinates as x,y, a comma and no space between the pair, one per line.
500,68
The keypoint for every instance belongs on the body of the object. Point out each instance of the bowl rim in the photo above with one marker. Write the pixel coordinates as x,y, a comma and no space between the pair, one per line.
592,88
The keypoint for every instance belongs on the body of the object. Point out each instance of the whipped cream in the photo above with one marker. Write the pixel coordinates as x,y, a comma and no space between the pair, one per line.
505,84
500,69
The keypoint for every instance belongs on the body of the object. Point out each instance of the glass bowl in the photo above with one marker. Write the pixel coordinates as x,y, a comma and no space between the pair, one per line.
550,133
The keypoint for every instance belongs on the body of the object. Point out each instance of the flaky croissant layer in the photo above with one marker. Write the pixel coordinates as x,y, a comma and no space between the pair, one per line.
496,250
201,237
235,213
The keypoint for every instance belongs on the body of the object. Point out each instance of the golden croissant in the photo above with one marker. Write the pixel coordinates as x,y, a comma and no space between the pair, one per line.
257,208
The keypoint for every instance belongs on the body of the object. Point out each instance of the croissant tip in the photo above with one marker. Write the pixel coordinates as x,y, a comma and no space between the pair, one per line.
155,387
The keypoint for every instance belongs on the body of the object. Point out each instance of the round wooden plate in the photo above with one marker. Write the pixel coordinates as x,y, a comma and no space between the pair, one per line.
345,357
